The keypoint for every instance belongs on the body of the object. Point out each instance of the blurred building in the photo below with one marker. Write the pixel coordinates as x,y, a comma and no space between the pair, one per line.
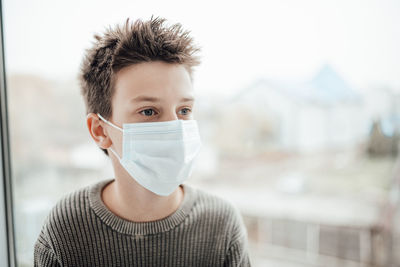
319,114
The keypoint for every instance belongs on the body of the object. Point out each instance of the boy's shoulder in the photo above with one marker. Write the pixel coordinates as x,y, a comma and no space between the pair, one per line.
212,205
220,216
212,202
69,209
70,206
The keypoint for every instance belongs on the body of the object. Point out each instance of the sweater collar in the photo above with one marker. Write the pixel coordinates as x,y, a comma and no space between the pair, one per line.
139,228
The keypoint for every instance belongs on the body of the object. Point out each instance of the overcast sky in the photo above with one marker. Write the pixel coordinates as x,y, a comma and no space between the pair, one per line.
241,40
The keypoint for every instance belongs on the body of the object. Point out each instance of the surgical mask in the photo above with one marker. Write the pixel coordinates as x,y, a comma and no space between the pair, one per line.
159,155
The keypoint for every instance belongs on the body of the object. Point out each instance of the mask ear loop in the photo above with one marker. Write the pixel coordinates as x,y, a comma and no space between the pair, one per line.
109,123
115,154
116,127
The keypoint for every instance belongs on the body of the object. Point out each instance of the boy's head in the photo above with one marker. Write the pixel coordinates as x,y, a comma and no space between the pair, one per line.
130,63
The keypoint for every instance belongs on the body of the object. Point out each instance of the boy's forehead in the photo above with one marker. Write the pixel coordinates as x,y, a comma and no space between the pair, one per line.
152,72
151,80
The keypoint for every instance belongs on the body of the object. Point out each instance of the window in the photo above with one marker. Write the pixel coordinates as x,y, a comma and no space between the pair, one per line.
298,106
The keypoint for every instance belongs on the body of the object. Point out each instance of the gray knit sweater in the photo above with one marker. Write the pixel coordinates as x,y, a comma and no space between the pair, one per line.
81,231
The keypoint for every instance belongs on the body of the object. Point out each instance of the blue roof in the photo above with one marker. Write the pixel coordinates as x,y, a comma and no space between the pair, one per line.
327,87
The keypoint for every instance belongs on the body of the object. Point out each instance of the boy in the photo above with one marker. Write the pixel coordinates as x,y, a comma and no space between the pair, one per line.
137,85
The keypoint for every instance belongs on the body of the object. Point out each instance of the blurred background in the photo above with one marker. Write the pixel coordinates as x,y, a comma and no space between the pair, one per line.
298,104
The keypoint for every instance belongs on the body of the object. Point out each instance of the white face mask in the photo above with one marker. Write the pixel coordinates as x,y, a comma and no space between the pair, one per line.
159,155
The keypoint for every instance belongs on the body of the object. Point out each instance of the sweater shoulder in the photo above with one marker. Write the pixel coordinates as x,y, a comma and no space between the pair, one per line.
220,215
61,217
69,208
213,205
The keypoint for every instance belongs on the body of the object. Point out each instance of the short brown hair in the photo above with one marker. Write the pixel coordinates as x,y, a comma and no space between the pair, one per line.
131,43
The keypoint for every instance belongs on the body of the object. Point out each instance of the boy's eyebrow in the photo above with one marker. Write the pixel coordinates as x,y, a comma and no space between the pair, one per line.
156,99
146,98
187,99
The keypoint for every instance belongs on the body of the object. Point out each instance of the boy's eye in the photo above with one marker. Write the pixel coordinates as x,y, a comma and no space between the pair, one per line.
147,112
185,111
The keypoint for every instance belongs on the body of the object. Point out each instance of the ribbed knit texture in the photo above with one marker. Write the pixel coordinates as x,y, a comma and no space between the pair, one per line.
81,231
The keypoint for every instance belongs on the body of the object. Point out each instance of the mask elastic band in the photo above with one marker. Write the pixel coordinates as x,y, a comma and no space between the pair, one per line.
112,150
109,123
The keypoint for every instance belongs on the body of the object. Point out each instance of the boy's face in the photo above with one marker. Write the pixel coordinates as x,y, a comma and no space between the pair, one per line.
150,92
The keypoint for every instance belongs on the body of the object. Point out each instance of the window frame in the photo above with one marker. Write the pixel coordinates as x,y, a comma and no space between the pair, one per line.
7,240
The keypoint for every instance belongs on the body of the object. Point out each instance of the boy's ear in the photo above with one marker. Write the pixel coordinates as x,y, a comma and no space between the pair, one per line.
98,131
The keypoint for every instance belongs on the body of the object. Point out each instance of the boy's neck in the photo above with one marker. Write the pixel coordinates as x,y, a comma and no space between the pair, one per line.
130,201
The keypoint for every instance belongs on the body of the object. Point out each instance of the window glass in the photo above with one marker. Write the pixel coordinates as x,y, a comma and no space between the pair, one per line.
298,105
